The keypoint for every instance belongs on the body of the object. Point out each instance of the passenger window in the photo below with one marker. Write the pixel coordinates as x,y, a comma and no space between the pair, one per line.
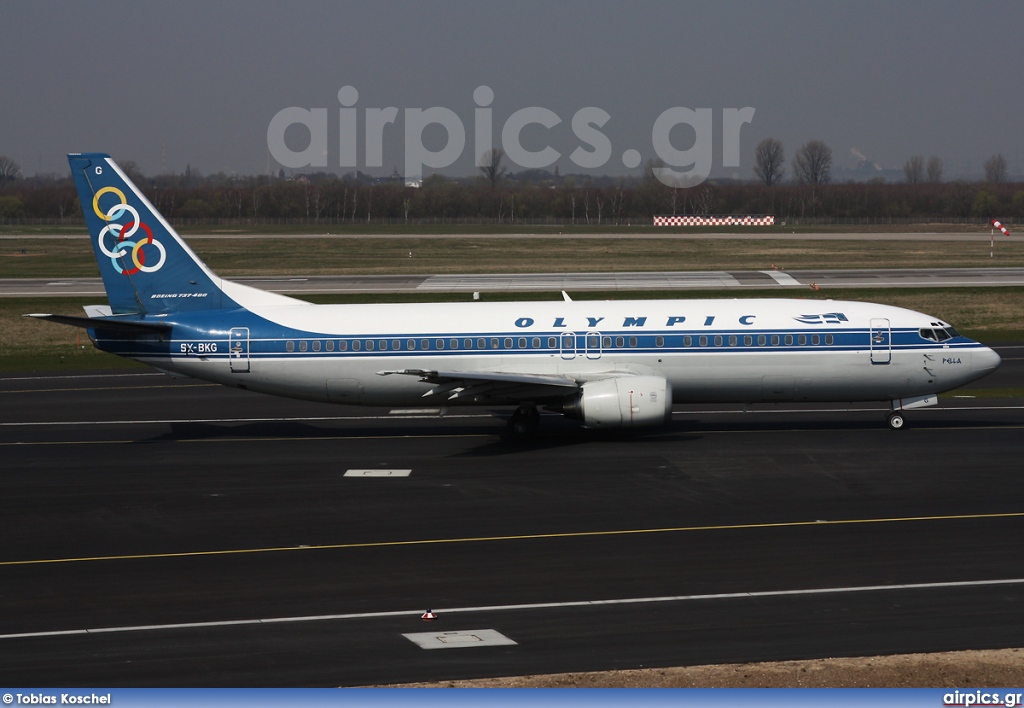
494,343
606,342
396,344
303,346
410,344
481,343
733,340
659,341
424,344
620,342
552,342
439,344
592,342
789,340
289,346
761,340
687,341
508,342
316,345
330,345
356,345
522,342
775,340
383,345
536,342
453,344
718,340
703,341
815,339
829,339
803,340
369,345
632,341
467,343
342,345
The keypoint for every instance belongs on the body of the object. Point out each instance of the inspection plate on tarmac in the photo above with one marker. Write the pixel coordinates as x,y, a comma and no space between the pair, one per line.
459,640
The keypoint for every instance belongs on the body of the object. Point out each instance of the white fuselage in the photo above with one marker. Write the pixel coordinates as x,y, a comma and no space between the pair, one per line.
708,350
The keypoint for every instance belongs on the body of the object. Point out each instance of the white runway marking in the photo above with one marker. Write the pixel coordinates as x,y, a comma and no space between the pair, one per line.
114,375
459,640
934,409
782,278
530,606
378,473
235,420
403,416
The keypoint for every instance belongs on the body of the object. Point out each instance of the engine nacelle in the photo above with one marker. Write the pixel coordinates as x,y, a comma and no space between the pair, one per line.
621,402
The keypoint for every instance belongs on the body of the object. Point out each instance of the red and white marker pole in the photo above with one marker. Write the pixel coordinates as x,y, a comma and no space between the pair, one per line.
992,238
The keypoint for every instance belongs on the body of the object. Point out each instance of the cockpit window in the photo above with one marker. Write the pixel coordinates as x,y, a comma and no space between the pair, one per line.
938,334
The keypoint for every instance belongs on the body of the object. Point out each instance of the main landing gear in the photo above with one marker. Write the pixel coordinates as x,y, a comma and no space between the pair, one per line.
896,421
523,423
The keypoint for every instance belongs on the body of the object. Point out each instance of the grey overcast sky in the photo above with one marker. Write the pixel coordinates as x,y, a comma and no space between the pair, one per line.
173,83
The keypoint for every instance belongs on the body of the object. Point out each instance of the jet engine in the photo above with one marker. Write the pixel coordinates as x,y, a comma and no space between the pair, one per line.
621,402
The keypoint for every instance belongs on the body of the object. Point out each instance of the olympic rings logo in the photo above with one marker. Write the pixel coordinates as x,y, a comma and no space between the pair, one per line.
123,232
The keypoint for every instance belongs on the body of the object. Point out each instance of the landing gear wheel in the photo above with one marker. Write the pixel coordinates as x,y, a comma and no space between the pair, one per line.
896,421
523,423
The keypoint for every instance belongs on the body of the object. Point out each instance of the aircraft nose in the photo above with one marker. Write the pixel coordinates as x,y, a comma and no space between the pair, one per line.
984,360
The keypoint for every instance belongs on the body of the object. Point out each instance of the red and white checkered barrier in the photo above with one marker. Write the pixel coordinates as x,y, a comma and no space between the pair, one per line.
714,221
995,224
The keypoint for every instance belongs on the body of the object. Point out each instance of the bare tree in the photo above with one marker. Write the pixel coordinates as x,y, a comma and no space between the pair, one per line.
131,170
704,201
913,169
491,166
9,169
995,169
769,161
813,163
934,173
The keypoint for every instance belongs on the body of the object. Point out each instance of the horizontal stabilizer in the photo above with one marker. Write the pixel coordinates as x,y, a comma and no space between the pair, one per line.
109,323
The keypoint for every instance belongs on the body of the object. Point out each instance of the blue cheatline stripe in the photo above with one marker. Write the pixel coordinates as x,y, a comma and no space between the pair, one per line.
258,350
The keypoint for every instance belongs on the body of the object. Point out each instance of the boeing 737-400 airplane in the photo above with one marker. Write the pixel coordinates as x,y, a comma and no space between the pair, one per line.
616,364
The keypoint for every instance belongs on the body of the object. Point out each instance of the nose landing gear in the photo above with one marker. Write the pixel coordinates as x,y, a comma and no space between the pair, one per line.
896,421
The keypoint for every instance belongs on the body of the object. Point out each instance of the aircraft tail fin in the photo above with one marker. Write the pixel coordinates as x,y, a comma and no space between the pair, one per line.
146,267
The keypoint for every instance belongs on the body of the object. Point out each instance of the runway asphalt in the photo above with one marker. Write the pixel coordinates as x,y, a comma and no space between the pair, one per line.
210,537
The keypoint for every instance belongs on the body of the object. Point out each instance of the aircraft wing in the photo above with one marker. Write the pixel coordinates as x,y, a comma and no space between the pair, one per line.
491,385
